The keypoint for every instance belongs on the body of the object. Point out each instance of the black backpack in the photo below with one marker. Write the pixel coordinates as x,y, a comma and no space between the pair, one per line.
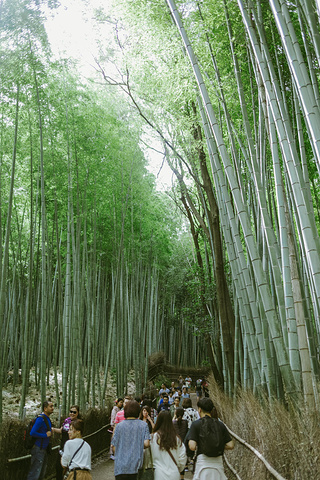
211,441
28,440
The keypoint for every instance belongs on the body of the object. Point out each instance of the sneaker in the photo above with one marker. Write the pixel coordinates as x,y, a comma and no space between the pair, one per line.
186,469
111,457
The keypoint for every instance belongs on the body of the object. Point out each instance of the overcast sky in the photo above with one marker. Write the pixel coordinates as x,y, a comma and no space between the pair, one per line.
73,33
71,30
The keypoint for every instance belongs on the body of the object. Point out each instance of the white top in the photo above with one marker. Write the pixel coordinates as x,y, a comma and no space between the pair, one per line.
191,415
209,468
162,462
82,459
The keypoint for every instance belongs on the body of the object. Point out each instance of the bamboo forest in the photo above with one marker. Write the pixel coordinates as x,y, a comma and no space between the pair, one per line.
100,268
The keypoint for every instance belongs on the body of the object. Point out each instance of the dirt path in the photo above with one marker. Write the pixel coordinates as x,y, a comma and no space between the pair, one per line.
193,397
103,470
103,467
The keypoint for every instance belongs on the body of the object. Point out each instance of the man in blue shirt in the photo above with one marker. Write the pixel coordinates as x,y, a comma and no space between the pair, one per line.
41,431
130,438
164,390
184,395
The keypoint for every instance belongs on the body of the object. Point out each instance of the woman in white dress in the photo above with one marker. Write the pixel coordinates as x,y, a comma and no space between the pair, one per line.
168,452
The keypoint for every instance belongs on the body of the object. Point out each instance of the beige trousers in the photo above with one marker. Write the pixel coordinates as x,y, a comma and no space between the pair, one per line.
80,475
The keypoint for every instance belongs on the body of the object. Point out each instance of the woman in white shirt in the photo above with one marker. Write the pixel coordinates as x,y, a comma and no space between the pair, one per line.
168,452
77,453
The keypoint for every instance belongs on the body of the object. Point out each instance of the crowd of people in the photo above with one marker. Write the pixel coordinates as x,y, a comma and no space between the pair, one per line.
162,440
151,439
74,460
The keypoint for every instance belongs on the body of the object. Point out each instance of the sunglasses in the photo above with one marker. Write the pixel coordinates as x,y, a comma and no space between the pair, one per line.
73,411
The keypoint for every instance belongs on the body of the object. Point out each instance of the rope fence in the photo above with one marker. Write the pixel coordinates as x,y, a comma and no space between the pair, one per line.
276,475
258,455
235,473
25,457
267,465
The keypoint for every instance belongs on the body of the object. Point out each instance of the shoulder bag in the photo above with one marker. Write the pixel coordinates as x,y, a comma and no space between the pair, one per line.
173,459
66,469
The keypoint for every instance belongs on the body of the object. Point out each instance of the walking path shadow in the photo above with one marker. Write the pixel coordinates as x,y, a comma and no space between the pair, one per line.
103,469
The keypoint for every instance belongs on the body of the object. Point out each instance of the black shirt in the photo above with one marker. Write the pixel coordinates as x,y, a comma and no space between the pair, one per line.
181,428
164,406
194,433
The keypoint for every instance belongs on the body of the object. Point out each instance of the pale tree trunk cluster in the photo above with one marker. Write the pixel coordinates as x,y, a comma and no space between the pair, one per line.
84,297
260,172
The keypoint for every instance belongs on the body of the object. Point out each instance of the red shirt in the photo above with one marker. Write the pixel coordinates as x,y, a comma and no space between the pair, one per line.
119,417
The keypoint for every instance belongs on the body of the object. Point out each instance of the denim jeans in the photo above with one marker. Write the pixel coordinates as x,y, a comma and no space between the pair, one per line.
38,466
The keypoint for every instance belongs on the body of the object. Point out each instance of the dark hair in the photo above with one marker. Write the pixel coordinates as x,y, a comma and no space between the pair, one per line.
167,437
179,414
206,404
165,395
186,403
78,410
144,407
147,401
214,413
78,425
151,403
45,404
131,409
120,399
